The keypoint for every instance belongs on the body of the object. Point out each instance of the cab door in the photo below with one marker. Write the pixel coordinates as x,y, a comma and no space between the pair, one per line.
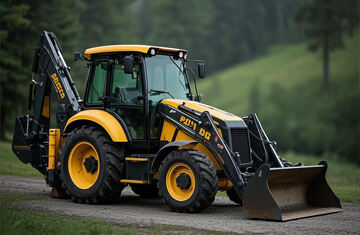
126,99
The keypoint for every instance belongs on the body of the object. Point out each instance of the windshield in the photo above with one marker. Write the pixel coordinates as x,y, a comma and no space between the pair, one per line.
166,77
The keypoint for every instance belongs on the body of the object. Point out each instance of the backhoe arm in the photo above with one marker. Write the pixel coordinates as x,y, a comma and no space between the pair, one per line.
31,134
49,64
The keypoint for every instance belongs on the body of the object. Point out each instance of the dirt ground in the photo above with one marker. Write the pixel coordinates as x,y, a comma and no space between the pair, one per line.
223,215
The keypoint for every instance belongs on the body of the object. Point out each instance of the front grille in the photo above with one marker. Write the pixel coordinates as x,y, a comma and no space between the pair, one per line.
240,143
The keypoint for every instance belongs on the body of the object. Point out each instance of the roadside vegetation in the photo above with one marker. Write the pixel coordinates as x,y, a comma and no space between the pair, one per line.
309,125
285,89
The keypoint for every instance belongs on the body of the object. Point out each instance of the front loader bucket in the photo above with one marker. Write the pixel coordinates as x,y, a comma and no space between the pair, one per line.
289,193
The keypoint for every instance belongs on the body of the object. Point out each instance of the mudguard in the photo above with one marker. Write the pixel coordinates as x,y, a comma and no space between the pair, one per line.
101,118
167,149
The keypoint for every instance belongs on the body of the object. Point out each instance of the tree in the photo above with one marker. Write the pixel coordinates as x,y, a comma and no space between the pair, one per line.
21,24
107,22
324,23
182,24
12,71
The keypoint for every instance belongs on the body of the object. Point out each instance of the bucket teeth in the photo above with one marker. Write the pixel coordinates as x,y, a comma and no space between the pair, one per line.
289,193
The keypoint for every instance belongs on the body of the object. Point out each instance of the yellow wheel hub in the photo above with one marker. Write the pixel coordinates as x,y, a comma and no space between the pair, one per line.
84,165
180,181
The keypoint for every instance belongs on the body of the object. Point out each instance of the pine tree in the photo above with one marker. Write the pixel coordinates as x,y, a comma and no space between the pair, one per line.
182,24
21,24
324,23
107,22
13,73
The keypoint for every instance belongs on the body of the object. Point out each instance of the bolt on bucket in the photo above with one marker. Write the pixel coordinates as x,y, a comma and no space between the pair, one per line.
289,193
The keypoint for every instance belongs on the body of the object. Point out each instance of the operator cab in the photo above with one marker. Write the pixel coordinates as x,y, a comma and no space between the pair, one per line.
130,80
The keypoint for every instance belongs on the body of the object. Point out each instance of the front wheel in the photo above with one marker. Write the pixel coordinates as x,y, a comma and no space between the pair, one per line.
187,181
91,166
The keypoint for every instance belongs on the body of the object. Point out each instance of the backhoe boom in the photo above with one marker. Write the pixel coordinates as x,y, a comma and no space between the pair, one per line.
31,135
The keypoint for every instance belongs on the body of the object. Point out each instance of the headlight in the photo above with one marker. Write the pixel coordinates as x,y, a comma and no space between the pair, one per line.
181,54
152,51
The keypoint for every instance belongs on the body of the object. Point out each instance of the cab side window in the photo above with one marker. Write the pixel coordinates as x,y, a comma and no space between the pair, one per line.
126,98
98,81
126,88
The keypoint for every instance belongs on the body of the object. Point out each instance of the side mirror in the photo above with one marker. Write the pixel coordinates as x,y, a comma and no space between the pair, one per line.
128,64
79,56
201,70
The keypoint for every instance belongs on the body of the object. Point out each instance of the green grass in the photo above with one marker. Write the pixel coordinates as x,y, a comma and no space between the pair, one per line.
15,220
342,176
287,65
11,165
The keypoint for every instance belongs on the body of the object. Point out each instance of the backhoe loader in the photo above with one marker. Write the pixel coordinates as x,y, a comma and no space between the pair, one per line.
139,124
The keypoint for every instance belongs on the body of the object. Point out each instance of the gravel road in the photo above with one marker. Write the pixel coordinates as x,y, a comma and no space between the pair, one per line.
223,215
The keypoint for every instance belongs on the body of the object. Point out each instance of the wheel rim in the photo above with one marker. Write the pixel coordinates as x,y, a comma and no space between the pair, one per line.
84,175
172,180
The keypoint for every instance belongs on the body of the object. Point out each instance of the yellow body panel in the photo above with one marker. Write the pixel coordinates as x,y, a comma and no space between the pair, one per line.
104,119
54,145
167,135
124,48
217,113
136,159
126,181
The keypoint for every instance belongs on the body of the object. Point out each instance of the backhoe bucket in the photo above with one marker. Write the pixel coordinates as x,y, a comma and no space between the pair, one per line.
289,193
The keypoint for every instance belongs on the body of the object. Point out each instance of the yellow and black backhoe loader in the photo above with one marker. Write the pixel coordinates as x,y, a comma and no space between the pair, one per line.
139,124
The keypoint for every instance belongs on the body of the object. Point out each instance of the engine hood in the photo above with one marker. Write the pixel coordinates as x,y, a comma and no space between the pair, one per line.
214,112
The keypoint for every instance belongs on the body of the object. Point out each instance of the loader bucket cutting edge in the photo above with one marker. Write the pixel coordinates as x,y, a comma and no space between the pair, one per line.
288,193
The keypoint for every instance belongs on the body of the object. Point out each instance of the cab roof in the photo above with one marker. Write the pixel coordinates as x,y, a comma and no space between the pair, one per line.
131,48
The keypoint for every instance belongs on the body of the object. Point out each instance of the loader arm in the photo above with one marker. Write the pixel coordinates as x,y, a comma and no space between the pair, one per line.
279,193
206,132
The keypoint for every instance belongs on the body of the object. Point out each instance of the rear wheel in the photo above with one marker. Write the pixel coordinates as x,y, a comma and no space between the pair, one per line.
146,190
233,196
91,166
187,181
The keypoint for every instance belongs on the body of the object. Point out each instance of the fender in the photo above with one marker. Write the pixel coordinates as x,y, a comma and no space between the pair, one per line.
101,118
167,148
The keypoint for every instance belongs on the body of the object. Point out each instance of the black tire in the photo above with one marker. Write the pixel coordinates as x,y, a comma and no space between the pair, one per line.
233,196
145,190
205,184
107,186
